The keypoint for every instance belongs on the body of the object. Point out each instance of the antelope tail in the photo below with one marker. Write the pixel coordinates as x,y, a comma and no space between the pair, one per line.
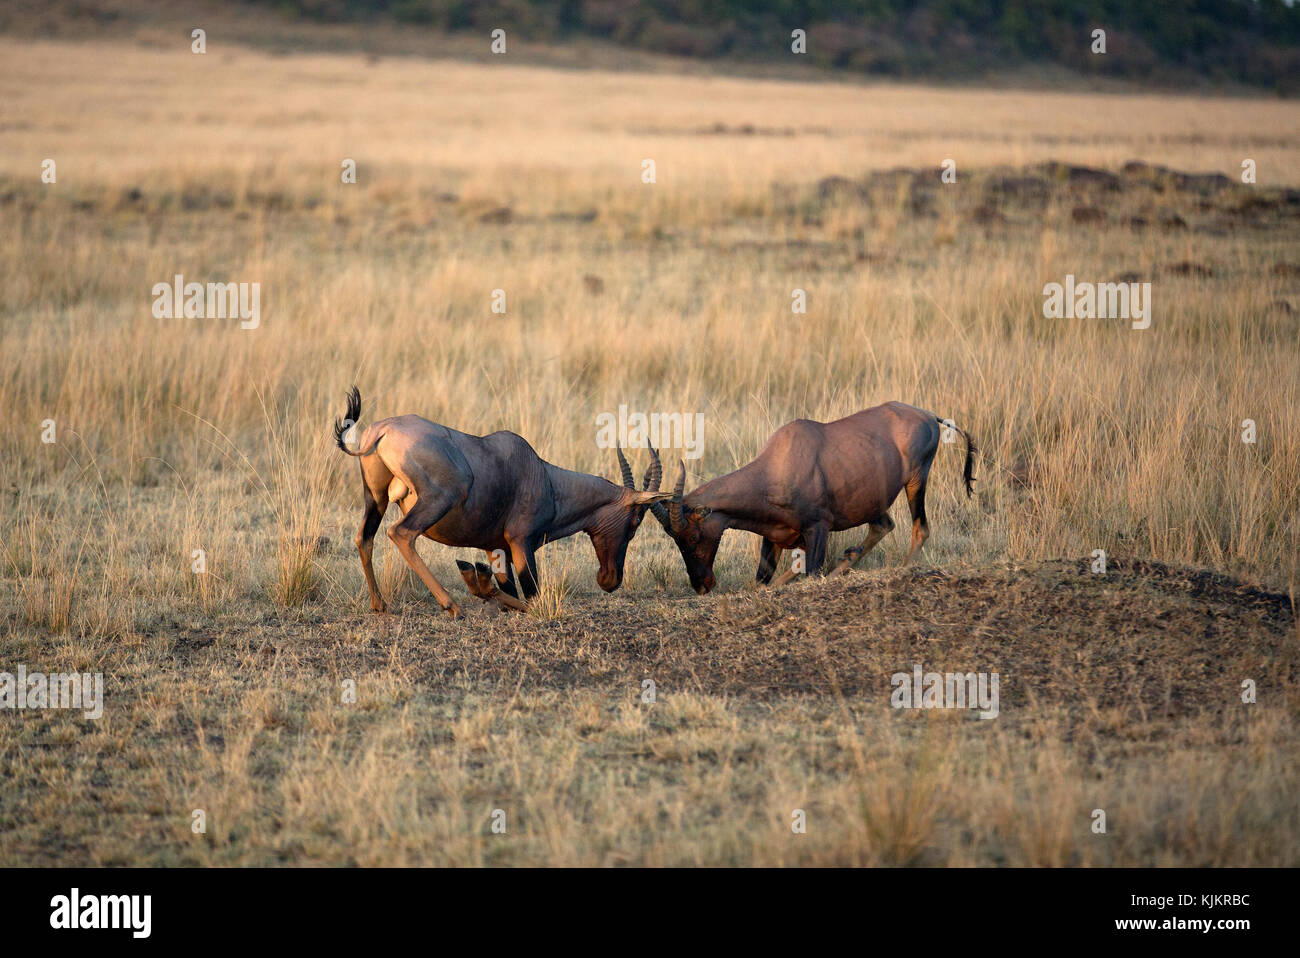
968,472
348,421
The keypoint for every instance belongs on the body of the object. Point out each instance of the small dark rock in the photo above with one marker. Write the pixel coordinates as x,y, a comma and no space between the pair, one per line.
986,215
1188,268
839,186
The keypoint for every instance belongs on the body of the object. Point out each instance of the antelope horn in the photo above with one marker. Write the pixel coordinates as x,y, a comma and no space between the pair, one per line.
628,481
675,503
654,473
654,477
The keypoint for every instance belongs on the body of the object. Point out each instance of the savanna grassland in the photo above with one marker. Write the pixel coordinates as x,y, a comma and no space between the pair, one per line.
1119,691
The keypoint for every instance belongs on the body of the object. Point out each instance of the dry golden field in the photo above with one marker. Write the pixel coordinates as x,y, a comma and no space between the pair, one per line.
1119,691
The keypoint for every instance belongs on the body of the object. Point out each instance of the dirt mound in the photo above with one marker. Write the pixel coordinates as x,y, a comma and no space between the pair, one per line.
1093,198
1164,640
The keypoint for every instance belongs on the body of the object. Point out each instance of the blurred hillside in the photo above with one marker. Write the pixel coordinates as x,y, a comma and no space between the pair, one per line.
1224,46
1255,42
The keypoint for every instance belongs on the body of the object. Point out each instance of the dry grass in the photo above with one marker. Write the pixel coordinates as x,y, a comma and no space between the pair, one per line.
177,435
1120,693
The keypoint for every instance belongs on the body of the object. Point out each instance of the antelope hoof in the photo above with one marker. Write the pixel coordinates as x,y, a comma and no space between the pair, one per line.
379,607
851,555
453,611
478,579
470,574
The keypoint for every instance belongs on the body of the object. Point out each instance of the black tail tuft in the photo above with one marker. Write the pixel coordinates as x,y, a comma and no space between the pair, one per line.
968,473
349,419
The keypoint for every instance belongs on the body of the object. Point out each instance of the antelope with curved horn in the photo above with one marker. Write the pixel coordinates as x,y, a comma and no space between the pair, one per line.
811,479
486,492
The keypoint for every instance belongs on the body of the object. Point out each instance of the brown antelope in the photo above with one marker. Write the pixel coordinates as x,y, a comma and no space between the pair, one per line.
811,479
490,493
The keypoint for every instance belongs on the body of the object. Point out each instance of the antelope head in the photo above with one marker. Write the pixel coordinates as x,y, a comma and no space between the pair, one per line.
616,522
696,535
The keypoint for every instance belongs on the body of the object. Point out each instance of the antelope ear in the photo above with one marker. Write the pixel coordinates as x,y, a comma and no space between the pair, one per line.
650,497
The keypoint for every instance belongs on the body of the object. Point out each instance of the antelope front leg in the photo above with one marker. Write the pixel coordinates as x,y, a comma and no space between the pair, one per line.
505,579
768,557
523,555
814,542
854,554
481,582
787,576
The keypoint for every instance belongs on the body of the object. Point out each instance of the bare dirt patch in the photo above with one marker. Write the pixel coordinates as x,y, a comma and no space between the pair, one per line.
1144,636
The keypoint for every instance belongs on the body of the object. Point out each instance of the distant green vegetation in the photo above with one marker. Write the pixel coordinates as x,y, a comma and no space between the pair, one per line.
1254,42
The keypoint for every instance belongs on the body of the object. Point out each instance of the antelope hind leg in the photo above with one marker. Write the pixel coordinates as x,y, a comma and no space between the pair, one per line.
366,544
423,515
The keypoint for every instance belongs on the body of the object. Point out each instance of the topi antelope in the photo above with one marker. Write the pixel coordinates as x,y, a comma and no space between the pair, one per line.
490,493
811,479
